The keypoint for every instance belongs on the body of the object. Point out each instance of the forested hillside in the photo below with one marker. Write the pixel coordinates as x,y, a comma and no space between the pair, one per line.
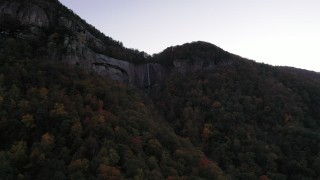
252,119
201,112
60,122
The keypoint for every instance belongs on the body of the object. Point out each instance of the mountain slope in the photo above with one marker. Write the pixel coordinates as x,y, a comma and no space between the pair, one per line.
208,114
192,53
59,34
252,119
60,122
62,36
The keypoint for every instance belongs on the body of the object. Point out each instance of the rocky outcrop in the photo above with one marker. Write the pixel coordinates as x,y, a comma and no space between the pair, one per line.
143,75
26,13
118,70
70,40
79,47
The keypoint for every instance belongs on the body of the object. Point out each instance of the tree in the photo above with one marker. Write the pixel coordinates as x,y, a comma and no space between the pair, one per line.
59,110
76,129
27,119
113,157
79,165
6,169
109,172
47,142
47,138
18,153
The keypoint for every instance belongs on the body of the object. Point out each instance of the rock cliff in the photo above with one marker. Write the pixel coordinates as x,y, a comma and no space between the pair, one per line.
25,13
69,39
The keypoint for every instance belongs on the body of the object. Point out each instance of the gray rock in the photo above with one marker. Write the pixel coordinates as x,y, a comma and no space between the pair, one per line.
80,47
28,14
63,21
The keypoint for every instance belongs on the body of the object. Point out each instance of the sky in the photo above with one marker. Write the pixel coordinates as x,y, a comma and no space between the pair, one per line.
276,32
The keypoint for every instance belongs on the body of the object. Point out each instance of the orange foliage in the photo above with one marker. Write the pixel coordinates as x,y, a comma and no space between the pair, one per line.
79,164
43,92
206,133
59,110
47,138
216,104
110,173
171,178
264,177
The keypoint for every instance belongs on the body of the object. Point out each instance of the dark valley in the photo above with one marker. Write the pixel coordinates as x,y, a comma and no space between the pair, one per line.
76,104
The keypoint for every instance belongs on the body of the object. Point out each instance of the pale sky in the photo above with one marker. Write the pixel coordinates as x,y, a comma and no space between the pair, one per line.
277,32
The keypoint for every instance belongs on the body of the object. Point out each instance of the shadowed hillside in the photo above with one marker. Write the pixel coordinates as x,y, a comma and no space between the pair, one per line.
252,119
75,104
60,122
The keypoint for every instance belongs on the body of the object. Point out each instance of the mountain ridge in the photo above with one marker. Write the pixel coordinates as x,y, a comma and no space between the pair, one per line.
71,40
207,114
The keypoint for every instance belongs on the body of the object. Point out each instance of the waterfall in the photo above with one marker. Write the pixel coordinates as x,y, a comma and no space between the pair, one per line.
148,67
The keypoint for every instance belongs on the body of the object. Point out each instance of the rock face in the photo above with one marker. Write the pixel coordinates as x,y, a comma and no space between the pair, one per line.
26,13
78,45
144,75
70,40
140,75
